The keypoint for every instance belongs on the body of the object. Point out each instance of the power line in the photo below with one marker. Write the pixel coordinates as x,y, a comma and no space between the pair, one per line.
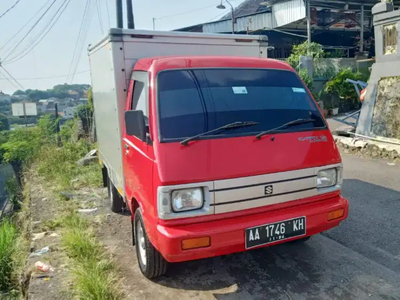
37,40
16,34
34,25
15,4
108,14
77,39
50,77
12,83
16,81
82,46
99,15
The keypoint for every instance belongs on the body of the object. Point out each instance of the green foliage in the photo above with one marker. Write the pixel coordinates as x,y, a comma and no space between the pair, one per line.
67,131
8,235
90,99
307,79
4,125
18,92
94,272
58,91
343,89
24,143
59,166
315,50
21,146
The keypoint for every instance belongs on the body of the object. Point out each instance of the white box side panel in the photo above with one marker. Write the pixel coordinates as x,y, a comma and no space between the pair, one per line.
135,49
104,66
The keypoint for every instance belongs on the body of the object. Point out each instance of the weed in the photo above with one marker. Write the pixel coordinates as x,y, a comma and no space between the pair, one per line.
8,235
51,224
94,273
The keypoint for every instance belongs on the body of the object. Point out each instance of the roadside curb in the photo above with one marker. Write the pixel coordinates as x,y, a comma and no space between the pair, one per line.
368,148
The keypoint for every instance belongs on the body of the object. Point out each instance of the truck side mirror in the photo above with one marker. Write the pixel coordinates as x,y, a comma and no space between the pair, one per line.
135,124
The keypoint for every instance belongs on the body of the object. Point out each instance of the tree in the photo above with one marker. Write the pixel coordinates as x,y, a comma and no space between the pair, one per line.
90,99
313,49
19,92
38,95
4,125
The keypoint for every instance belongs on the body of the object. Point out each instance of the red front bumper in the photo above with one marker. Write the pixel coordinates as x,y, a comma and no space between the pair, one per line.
228,235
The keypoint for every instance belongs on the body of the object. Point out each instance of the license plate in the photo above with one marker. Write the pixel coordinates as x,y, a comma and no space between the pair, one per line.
279,231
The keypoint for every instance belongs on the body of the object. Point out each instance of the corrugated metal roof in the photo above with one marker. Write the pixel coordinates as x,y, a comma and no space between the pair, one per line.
250,23
247,7
279,14
287,12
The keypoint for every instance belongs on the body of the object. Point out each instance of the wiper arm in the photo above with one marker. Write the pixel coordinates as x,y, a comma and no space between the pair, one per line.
288,124
225,127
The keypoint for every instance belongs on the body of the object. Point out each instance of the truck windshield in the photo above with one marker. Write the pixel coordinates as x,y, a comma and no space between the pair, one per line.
194,101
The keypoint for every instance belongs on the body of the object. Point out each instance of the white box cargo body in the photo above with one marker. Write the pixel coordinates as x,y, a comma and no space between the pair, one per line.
111,64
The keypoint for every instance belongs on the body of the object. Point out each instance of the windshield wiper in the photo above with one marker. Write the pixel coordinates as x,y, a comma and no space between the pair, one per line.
288,124
225,127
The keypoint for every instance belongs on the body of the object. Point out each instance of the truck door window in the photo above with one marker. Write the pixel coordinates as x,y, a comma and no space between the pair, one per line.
140,93
193,101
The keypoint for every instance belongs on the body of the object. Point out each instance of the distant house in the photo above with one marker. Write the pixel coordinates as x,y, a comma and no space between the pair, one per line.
73,94
42,105
18,98
83,101
5,97
69,112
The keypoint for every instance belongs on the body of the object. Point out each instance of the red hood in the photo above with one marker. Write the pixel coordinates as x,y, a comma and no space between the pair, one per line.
215,159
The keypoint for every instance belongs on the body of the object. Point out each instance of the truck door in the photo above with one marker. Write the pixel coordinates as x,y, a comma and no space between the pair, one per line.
138,155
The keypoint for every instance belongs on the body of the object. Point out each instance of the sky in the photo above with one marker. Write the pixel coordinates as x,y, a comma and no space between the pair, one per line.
42,60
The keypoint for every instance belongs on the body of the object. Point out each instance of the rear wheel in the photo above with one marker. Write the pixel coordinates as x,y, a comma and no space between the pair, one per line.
116,201
151,263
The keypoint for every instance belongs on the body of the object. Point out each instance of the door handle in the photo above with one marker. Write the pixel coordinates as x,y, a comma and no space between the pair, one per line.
126,148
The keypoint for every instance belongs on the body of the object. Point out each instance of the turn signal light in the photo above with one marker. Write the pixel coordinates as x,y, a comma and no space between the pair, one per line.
196,243
336,214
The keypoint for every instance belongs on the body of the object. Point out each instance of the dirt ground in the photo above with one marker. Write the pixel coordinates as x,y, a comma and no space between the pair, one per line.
320,269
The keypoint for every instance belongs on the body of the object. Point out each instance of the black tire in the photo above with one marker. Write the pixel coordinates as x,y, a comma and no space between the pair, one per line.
116,201
154,265
300,241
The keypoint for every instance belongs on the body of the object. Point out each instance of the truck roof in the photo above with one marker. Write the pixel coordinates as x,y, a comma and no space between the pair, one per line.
183,62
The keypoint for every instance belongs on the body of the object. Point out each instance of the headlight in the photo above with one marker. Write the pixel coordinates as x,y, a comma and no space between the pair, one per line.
327,178
188,199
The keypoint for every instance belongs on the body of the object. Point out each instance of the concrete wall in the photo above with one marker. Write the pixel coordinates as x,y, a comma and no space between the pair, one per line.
380,111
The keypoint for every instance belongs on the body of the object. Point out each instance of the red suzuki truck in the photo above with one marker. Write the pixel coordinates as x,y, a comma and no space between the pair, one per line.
213,148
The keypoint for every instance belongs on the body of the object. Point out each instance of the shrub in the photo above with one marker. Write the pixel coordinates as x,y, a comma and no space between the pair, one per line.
343,89
314,49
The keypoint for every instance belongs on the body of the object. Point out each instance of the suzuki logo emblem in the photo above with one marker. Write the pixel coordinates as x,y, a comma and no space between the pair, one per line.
268,190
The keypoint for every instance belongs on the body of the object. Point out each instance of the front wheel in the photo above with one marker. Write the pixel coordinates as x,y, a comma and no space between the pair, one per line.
151,263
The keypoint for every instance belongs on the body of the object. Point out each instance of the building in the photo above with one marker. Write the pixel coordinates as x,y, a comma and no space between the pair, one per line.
83,101
73,94
5,97
68,113
336,24
42,105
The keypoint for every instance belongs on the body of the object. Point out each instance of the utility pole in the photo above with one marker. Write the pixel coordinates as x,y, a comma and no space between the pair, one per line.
120,21
129,8
154,23
57,125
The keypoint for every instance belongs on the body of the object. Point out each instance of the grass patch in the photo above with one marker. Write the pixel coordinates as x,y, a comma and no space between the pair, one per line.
59,165
8,235
93,270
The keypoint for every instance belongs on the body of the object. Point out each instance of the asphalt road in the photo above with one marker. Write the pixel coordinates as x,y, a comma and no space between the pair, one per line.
358,260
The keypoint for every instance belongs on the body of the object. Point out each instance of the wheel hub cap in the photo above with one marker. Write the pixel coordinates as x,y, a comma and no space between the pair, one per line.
141,243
